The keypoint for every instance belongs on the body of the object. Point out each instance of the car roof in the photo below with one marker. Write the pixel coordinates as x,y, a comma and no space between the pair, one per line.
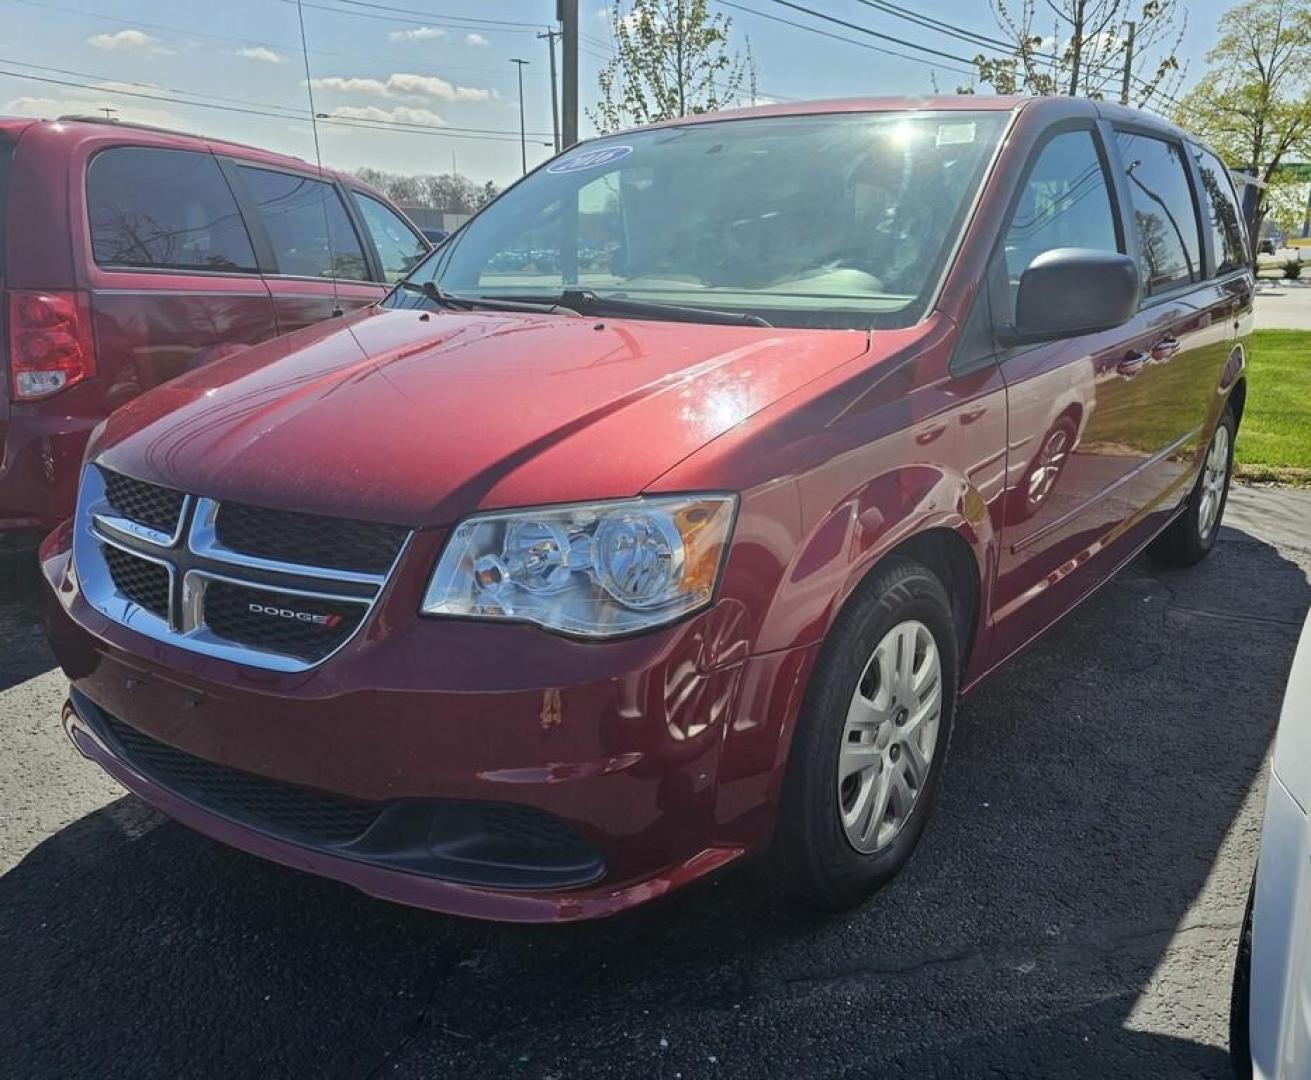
1055,107
72,131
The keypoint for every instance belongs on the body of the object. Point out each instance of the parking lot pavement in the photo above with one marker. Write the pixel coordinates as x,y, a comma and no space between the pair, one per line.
1072,910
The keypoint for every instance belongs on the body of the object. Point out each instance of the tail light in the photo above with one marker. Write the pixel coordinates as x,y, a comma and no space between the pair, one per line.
50,345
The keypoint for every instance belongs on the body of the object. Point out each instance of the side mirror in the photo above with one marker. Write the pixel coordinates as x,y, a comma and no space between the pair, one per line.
1070,291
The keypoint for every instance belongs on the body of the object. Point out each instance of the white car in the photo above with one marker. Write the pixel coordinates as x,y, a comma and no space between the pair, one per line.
1270,1018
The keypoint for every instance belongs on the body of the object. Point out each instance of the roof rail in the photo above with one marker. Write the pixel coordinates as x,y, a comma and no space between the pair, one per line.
113,121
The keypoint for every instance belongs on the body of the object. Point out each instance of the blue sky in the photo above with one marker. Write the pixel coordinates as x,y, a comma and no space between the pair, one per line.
437,64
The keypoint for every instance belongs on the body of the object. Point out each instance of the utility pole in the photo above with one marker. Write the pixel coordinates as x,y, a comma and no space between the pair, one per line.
1076,47
1128,63
567,13
523,138
550,37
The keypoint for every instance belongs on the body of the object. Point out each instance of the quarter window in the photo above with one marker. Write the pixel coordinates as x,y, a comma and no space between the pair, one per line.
1169,244
307,225
398,247
1065,202
1222,212
165,209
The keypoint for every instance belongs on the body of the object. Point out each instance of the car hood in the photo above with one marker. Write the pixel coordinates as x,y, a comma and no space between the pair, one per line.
418,418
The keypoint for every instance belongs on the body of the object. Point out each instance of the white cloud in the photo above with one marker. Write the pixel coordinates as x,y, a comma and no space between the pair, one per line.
476,40
126,41
401,84
402,114
419,33
351,86
259,52
432,86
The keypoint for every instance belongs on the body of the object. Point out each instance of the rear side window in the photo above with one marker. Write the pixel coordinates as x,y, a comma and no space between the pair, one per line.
1221,212
1169,243
307,225
1065,202
164,209
397,245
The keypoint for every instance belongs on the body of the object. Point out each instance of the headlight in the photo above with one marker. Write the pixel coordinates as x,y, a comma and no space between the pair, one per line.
596,569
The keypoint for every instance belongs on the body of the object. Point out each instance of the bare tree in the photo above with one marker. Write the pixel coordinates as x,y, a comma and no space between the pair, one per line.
1085,54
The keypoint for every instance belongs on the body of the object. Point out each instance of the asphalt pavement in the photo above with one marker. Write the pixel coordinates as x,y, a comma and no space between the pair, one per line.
1072,910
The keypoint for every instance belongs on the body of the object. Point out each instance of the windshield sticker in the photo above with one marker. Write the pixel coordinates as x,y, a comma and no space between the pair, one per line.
960,131
590,159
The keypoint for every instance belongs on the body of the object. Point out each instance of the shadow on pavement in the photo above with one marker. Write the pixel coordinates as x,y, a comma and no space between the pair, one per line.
25,654
1091,787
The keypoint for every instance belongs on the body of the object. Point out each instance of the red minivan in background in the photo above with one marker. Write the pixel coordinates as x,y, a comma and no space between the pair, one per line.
129,255
661,516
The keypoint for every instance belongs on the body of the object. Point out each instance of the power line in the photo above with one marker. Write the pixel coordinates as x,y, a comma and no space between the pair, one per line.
937,25
875,33
413,127
838,37
272,42
431,20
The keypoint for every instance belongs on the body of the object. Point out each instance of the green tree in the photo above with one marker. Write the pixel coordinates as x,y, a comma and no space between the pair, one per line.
1084,56
1254,102
672,58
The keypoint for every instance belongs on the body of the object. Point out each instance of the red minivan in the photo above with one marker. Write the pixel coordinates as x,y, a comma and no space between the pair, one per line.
662,515
129,255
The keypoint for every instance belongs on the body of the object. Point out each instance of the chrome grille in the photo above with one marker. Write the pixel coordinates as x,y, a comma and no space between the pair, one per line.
142,581
308,540
155,507
275,600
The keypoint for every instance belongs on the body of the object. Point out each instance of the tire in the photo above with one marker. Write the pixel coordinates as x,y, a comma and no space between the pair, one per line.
1188,540
898,611
1240,1001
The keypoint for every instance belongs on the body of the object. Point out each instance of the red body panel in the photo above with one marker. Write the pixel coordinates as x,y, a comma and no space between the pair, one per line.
666,750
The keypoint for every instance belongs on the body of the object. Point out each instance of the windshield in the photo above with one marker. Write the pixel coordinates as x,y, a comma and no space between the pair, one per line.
839,220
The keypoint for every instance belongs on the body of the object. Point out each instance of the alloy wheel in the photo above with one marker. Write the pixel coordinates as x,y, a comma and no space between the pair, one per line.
1214,474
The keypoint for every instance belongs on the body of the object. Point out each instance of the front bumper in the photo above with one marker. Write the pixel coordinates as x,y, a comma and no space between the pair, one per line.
662,766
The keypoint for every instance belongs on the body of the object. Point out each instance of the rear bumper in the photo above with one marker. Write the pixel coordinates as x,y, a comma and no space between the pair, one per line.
611,757
40,459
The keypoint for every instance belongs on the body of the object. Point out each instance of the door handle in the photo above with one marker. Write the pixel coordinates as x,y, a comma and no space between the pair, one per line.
1165,348
1132,363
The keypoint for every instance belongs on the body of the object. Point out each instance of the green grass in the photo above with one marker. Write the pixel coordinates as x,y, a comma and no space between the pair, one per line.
1274,442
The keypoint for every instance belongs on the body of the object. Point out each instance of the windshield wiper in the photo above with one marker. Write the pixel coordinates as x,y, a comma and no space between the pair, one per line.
458,302
589,302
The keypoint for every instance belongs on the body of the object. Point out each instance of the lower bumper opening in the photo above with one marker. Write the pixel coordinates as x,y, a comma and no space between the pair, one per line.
492,845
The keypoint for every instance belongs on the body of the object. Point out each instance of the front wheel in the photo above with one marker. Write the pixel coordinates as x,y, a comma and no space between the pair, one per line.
1191,536
871,739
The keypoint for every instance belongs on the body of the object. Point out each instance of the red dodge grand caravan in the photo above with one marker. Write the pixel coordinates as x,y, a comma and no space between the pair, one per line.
663,514
129,255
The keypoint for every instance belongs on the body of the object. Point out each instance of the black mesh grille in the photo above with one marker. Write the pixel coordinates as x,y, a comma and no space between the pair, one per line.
141,581
286,625
309,540
277,806
150,505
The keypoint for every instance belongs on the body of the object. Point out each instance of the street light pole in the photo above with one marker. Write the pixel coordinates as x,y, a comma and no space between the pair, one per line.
523,137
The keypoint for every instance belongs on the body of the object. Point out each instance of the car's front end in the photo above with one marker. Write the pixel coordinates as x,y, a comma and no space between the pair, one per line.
456,599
